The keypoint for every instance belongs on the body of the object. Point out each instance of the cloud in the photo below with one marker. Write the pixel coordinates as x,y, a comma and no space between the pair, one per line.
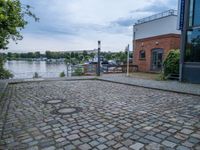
148,10
153,8
78,24
125,21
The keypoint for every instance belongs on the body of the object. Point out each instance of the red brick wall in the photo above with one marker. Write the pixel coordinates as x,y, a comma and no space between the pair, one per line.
165,42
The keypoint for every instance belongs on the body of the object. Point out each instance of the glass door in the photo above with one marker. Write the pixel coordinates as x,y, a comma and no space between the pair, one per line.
157,58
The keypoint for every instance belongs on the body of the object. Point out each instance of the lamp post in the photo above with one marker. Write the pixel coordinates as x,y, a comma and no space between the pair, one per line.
127,49
98,64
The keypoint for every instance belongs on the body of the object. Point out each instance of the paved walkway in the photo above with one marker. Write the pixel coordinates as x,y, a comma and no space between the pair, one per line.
97,115
160,85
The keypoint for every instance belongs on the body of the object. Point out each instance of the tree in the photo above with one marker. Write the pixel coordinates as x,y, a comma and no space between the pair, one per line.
12,20
85,54
37,54
92,55
76,55
9,55
48,54
72,54
30,55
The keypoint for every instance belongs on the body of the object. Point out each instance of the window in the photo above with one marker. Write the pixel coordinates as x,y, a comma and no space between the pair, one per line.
194,13
192,53
192,49
197,13
191,13
142,54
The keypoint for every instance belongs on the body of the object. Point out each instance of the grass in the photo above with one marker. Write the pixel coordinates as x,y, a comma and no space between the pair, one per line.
144,75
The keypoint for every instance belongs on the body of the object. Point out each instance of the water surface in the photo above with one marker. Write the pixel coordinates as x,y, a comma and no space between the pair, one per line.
26,69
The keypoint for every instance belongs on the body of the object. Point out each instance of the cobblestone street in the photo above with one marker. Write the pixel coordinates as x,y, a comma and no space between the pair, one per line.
97,115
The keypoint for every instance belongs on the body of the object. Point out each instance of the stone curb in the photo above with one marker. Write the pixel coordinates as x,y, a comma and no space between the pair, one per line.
100,79
2,93
46,80
148,87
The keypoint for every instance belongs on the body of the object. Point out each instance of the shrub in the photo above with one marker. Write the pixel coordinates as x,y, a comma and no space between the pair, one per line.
62,74
4,74
171,63
78,72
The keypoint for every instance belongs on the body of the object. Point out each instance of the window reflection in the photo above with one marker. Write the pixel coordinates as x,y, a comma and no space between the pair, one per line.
197,13
193,46
191,13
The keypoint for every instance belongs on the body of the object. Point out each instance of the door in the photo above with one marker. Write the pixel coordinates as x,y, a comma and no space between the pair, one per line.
157,58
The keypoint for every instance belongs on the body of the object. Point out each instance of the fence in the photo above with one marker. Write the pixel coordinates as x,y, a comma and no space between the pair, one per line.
78,70
90,69
157,16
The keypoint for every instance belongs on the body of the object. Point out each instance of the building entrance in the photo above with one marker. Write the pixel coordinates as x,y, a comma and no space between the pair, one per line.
157,59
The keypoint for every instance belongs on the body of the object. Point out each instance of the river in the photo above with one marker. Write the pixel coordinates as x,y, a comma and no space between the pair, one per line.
26,69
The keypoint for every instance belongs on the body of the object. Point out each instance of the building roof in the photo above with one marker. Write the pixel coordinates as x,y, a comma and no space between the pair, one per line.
170,12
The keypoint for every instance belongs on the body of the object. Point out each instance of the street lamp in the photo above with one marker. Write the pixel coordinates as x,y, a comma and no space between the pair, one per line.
98,64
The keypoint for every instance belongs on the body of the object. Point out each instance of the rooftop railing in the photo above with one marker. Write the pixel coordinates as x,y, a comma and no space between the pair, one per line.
157,16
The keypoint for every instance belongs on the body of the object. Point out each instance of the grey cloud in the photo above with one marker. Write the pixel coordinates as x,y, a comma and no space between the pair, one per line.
125,22
128,21
154,7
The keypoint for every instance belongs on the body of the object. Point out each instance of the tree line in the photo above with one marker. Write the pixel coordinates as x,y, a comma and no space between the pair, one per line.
77,57
50,55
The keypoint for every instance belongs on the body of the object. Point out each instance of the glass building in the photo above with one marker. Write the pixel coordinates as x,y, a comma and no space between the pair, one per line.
190,47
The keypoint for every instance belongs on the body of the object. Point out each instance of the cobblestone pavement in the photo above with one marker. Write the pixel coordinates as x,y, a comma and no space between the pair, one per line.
102,115
164,85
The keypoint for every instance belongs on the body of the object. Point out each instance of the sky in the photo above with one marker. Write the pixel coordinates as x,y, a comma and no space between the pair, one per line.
67,25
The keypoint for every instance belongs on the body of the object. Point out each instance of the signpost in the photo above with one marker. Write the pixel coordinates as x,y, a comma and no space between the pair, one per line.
127,49
99,61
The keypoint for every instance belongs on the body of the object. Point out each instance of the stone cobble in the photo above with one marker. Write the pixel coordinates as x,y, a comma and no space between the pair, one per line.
174,86
112,116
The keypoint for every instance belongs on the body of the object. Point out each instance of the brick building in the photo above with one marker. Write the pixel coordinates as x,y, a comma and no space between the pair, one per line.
153,38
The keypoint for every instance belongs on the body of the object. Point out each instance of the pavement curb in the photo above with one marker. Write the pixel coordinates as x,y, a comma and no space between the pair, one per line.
147,87
3,103
49,80
94,78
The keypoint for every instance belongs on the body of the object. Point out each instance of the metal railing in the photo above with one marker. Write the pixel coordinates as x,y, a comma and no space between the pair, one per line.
29,75
157,16
90,69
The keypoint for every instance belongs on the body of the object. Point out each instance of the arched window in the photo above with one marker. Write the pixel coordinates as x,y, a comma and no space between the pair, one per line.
142,54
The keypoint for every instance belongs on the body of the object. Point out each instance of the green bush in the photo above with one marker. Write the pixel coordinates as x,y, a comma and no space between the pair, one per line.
4,74
62,74
171,63
78,72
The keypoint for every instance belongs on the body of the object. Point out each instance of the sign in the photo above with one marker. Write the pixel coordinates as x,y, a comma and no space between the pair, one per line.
181,12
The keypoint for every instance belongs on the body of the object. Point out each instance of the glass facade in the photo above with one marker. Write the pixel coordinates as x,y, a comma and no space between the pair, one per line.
196,13
192,49
192,53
